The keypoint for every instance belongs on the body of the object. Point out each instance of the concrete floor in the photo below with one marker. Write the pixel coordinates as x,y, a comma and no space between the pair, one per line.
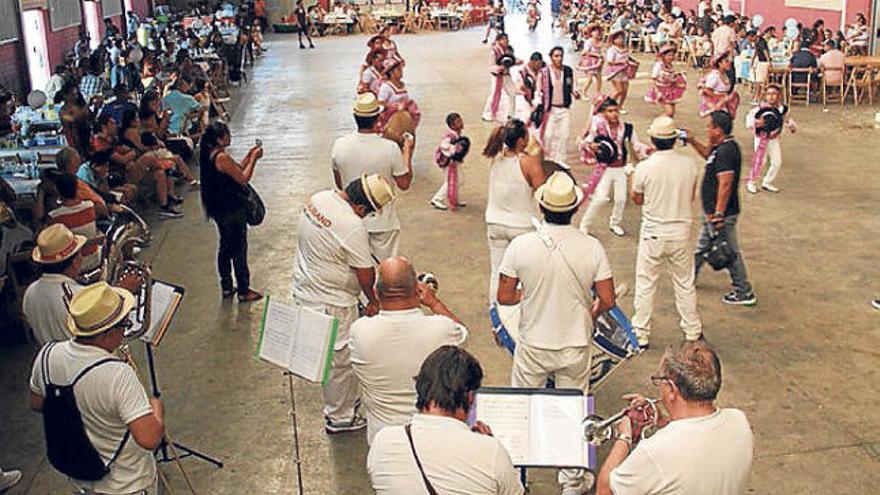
803,364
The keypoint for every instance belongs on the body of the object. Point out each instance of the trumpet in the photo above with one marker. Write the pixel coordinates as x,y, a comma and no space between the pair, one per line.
644,417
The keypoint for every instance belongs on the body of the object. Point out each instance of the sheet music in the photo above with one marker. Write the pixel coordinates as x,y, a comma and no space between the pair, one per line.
508,417
163,300
556,435
308,355
279,331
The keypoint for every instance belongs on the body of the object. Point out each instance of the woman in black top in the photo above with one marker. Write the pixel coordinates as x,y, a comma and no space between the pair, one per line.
223,181
304,24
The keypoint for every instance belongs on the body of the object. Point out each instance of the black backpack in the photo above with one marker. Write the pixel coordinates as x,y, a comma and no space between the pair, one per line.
68,446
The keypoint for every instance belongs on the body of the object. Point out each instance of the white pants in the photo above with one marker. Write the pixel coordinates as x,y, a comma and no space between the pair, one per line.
774,154
678,259
613,180
556,134
508,89
441,195
384,245
571,369
341,392
499,238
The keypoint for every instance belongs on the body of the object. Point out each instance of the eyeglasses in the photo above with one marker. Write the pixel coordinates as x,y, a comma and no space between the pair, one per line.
657,380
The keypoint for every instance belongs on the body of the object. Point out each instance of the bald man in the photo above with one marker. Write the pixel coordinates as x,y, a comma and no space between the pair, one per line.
388,349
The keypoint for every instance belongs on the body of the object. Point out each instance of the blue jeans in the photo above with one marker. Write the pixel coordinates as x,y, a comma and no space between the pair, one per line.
738,274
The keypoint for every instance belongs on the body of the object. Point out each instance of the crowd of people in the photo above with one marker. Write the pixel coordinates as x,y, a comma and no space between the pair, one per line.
348,264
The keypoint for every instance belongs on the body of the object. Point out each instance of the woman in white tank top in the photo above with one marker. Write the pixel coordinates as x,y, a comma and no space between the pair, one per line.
513,178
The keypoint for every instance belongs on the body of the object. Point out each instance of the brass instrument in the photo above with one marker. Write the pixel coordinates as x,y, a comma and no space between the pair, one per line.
127,235
598,431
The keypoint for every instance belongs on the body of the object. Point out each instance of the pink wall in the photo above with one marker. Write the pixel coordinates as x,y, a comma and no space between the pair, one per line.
775,12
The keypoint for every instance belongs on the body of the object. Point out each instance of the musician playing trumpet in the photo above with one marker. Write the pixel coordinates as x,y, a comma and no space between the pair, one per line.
699,448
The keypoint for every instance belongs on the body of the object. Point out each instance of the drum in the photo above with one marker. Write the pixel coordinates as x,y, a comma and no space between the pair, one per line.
400,123
614,341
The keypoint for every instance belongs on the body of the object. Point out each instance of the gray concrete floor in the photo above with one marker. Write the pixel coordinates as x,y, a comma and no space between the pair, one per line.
802,364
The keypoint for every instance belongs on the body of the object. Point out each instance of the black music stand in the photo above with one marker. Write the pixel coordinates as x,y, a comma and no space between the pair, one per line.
162,450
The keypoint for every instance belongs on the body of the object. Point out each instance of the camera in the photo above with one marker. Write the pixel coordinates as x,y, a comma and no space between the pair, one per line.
258,143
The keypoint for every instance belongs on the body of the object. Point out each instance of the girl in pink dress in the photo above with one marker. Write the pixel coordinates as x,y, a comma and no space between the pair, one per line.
592,59
620,67
371,72
667,85
394,95
716,88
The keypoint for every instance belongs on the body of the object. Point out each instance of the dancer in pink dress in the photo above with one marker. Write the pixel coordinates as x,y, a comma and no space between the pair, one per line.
394,95
371,73
620,67
592,59
667,84
716,89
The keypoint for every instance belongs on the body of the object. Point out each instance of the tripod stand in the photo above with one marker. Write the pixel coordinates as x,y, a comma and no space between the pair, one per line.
162,449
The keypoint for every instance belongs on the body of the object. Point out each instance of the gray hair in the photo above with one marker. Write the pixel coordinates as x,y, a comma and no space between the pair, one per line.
695,370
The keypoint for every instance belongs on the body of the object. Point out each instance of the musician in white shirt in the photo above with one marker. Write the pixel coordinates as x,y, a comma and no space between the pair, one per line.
438,449
699,448
388,349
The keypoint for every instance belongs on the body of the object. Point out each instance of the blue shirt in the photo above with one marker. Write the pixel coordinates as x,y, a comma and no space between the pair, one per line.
180,104
86,174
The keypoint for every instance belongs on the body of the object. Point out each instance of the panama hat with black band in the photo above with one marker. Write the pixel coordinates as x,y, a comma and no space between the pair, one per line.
98,308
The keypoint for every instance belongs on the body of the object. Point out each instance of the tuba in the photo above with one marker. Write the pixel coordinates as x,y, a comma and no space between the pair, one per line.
127,235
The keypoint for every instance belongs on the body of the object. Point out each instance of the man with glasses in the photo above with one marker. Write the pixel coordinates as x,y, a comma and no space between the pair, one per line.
122,424
699,448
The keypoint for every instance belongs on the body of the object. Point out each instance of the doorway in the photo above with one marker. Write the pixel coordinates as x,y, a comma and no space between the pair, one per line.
34,23
93,23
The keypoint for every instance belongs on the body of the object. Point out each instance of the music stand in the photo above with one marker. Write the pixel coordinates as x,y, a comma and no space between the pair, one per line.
296,457
166,300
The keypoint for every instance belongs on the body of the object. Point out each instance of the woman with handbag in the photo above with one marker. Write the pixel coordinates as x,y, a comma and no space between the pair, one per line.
225,196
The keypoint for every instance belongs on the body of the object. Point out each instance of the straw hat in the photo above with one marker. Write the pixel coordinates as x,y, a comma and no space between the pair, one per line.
559,194
377,189
56,243
98,308
367,105
663,127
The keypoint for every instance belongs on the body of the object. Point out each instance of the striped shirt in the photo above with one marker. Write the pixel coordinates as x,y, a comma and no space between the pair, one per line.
80,219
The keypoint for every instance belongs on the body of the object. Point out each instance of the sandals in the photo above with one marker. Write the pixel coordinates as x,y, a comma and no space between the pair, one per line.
251,295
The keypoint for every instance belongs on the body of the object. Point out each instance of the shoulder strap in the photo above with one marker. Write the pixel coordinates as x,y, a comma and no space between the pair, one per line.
555,247
627,131
91,367
45,362
412,446
121,446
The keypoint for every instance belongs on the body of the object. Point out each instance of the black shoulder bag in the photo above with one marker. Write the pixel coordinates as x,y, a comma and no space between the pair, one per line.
255,210
412,446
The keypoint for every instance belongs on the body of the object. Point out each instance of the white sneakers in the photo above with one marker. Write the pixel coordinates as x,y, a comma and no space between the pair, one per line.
753,188
438,205
617,230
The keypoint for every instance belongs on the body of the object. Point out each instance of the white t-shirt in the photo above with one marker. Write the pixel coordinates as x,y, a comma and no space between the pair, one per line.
387,351
332,243
109,397
455,459
45,306
668,180
554,315
710,454
358,154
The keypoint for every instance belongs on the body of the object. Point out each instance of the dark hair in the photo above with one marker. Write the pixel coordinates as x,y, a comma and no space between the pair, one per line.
57,268
501,36
607,102
66,185
505,135
556,49
357,196
365,123
208,173
100,157
663,144
128,117
101,122
451,118
120,89
558,217
149,97
446,377
722,120
536,57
